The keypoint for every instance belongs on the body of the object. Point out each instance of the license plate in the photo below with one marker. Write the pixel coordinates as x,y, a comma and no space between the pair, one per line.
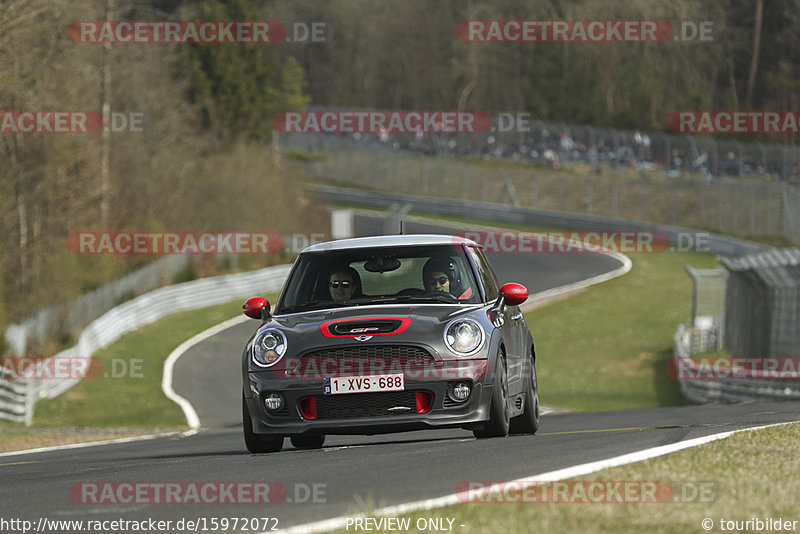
363,384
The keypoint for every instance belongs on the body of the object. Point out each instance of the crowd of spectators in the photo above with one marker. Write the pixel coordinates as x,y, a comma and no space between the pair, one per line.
558,147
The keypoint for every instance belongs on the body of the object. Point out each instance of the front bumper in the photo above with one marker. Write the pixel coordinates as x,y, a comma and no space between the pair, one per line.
374,412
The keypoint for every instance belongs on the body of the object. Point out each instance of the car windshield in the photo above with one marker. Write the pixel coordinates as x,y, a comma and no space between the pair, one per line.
429,274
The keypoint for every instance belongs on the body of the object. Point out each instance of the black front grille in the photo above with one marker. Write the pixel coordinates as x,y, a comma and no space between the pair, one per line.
355,405
372,351
365,359
450,403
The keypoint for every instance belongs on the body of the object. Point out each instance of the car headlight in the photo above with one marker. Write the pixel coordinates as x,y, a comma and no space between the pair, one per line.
268,347
463,336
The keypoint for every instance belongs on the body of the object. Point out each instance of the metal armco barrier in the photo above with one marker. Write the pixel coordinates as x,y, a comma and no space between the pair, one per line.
505,213
689,340
18,396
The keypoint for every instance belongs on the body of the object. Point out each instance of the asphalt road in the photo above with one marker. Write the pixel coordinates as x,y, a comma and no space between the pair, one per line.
350,471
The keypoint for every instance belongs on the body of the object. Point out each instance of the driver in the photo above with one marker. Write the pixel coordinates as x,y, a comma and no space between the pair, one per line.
344,284
438,274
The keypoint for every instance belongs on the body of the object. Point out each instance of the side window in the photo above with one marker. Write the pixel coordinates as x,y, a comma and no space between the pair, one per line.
488,278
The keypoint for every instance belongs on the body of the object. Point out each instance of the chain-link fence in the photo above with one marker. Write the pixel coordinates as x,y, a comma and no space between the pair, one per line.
516,137
763,315
760,325
749,208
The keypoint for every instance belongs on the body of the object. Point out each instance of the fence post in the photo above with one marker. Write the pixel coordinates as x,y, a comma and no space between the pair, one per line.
425,171
589,196
716,159
644,200
769,209
673,201
510,190
442,181
615,197
703,204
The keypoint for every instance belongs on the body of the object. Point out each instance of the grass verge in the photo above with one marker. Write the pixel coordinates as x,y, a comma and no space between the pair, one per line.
724,480
607,347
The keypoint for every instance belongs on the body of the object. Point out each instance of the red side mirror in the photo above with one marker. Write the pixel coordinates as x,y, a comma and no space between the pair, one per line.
515,294
253,306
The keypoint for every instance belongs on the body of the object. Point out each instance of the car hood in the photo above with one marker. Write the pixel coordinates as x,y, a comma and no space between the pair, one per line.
440,312
416,323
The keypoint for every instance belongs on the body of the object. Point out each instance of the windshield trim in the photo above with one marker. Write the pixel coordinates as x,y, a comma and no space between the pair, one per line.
461,305
468,269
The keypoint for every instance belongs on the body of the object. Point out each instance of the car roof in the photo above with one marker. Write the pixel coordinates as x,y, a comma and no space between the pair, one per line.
389,241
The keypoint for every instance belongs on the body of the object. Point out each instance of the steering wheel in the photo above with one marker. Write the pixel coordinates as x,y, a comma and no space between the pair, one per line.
441,294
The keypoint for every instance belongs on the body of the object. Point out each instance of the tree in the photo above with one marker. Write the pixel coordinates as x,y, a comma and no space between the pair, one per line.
240,87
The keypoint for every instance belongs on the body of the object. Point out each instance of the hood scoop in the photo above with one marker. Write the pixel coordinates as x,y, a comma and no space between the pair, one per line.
369,326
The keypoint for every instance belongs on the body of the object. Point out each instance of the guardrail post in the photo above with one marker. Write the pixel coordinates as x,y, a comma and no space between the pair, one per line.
30,401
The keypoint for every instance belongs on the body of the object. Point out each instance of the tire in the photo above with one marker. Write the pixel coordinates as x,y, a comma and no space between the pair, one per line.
498,423
257,443
528,421
308,442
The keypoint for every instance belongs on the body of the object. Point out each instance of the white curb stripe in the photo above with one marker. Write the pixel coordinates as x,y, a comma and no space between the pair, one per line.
95,443
169,364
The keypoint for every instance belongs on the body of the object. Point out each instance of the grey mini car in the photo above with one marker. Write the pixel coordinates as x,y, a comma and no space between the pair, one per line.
388,334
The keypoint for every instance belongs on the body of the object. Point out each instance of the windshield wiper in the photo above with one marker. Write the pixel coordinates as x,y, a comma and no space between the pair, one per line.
449,299
313,305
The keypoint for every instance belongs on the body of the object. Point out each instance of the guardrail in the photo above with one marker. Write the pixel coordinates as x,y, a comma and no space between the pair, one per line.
18,396
16,400
72,317
696,386
505,213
